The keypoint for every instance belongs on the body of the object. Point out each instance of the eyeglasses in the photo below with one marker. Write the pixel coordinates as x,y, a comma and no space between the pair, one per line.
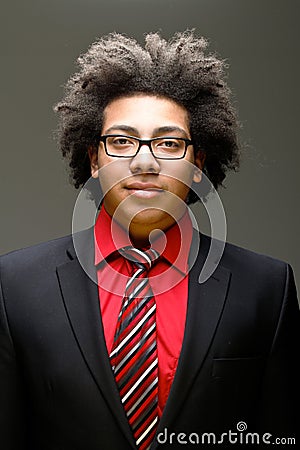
161,147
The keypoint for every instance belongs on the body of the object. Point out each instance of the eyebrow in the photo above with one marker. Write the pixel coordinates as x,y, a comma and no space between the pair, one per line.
156,131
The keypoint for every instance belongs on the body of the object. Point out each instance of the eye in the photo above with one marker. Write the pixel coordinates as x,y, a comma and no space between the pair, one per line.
121,141
169,143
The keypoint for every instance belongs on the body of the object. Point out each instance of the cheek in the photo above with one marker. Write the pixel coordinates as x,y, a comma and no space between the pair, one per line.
180,178
110,201
180,189
111,174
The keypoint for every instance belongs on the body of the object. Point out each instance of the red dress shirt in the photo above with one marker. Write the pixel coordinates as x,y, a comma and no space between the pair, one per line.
169,282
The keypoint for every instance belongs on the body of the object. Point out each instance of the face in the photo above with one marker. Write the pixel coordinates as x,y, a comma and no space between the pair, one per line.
143,191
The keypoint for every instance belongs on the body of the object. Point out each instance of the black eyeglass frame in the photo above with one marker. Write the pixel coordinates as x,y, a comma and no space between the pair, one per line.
147,142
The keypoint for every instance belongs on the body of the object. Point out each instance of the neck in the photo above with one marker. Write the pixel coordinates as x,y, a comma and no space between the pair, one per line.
145,240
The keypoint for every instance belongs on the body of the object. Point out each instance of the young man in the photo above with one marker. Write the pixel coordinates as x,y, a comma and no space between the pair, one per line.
128,349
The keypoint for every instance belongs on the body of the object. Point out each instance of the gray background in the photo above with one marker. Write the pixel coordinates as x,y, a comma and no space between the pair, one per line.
260,40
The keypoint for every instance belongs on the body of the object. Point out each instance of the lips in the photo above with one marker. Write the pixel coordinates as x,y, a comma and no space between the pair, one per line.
144,189
140,185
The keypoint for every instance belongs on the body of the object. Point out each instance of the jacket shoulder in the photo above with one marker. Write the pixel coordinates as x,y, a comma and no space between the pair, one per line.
45,253
239,256
239,260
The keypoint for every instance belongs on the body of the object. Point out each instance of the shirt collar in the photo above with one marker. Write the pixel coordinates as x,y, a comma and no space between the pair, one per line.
176,241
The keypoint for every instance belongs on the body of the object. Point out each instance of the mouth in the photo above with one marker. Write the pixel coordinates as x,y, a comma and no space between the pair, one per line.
144,190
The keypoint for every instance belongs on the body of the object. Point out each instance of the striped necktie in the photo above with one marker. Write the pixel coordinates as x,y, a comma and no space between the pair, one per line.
134,353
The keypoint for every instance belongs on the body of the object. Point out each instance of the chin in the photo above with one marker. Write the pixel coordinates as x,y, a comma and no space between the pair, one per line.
151,216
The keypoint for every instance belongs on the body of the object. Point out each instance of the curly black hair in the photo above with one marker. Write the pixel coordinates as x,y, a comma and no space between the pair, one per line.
116,66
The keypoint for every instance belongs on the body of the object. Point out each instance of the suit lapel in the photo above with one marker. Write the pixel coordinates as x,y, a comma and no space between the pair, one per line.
80,297
205,306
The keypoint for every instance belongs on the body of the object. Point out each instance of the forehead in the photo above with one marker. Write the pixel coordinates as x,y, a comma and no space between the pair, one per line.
144,113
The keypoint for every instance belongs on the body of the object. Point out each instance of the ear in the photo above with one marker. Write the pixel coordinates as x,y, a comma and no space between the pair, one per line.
199,164
93,156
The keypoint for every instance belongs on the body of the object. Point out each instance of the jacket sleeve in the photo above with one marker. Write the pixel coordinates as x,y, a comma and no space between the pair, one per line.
11,417
280,394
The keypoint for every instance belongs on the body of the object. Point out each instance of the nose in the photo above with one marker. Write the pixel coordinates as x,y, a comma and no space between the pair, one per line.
144,161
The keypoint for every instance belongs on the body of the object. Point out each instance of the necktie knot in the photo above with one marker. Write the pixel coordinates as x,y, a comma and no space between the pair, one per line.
140,258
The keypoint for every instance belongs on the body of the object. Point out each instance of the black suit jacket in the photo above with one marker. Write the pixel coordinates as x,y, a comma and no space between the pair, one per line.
238,361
